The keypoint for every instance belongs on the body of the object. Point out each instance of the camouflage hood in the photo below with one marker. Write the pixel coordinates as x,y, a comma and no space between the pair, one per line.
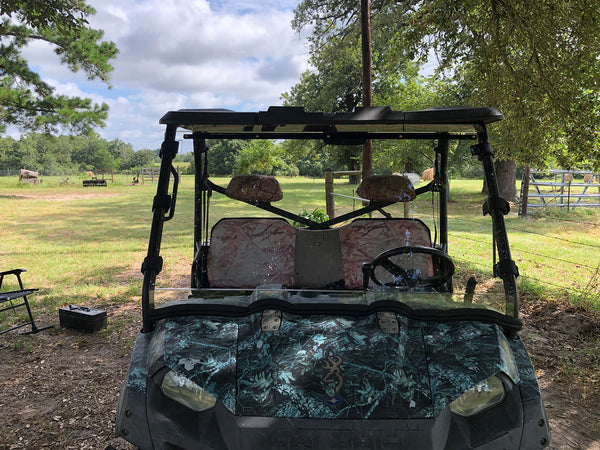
334,367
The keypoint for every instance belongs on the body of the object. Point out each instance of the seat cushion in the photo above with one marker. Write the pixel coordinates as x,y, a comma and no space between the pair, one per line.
245,253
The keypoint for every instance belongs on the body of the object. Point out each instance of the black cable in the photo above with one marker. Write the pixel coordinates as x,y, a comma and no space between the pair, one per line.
518,250
557,238
536,233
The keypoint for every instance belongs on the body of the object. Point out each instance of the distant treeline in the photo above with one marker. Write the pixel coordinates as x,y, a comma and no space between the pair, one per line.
52,155
63,155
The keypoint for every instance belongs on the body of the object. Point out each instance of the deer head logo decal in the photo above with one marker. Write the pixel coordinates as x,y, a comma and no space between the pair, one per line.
333,375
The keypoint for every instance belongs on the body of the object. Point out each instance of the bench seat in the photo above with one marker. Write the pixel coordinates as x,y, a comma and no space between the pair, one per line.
248,252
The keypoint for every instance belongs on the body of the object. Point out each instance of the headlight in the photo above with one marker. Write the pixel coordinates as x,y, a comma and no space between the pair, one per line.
480,397
186,392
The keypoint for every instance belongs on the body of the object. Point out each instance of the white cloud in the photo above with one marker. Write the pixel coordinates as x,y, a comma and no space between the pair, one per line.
184,54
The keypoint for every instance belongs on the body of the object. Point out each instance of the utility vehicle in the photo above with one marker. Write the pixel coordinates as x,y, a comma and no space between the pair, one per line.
343,334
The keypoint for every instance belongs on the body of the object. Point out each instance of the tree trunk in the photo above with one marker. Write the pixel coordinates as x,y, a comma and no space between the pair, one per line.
367,89
354,164
506,174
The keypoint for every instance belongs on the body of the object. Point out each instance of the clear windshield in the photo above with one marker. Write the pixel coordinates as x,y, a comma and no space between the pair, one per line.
414,299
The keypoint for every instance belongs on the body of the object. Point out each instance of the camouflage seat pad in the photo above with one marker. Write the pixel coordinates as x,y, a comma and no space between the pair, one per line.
250,188
387,188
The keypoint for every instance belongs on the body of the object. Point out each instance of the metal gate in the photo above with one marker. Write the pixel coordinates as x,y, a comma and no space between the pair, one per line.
559,188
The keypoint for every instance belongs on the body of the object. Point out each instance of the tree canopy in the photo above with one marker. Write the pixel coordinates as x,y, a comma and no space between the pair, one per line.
26,100
537,62
333,83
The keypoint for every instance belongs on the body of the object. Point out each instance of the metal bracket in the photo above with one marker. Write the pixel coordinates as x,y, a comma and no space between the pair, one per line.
270,320
162,202
503,268
482,149
154,263
496,203
388,322
169,148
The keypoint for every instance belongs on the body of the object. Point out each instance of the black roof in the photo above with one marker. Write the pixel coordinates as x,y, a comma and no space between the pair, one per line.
295,122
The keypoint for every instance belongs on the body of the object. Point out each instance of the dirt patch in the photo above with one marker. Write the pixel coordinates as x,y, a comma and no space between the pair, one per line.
564,344
59,388
57,197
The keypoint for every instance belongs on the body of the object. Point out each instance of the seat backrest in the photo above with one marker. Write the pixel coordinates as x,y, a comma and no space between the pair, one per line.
245,253
363,239
248,252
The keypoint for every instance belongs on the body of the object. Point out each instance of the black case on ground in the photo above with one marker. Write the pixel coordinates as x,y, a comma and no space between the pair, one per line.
82,318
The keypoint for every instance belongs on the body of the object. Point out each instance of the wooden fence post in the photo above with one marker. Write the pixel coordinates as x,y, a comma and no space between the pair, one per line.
524,192
329,201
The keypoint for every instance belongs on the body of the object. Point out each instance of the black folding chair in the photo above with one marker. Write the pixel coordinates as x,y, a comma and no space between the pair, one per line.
20,296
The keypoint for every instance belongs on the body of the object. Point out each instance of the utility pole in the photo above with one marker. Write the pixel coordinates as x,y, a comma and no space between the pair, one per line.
367,93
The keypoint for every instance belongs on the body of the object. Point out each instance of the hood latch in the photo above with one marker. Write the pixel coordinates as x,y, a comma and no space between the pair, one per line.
388,322
270,320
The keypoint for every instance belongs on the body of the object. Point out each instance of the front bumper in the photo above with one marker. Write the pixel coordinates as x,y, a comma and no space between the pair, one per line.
156,422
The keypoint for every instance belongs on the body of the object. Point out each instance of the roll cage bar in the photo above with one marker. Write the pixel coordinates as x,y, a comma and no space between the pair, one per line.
439,124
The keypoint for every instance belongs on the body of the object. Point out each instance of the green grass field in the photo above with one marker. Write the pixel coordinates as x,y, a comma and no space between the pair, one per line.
86,245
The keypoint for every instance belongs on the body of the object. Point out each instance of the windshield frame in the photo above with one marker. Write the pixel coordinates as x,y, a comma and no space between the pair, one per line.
440,124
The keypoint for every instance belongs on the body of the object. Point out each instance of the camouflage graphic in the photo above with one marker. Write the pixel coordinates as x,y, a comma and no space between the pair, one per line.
138,367
461,354
285,374
205,352
334,367
529,384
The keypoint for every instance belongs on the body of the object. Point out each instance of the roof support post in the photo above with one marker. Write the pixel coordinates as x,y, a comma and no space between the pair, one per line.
506,269
442,151
162,204
202,192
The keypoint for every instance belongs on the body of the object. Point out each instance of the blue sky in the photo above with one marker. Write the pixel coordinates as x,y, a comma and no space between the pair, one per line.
184,54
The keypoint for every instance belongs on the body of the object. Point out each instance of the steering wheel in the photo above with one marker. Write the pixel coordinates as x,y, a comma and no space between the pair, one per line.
409,277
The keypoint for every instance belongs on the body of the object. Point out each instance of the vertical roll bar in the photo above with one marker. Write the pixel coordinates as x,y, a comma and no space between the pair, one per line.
497,207
162,204
198,278
442,150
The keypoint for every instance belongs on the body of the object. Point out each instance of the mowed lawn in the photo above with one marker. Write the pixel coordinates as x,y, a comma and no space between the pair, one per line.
85,245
